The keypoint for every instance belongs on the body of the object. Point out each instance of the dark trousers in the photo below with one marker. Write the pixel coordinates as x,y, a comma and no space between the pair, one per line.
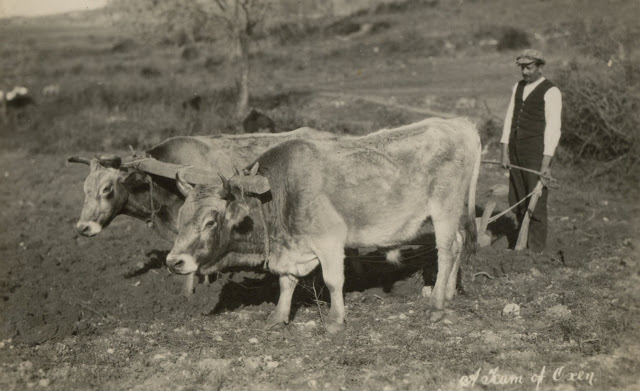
528,153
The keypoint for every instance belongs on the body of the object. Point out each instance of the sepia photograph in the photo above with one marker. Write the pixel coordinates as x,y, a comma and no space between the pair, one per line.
320,195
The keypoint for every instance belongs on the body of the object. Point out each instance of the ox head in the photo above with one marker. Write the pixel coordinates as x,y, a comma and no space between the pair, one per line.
104,193
209,216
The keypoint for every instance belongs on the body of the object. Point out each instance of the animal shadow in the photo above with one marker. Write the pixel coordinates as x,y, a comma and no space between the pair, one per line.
245,287
366,270
155,260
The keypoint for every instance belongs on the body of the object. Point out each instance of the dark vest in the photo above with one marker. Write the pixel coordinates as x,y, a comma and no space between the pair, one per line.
528,115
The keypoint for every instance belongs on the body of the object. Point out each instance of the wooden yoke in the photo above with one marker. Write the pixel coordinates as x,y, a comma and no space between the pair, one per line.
197,176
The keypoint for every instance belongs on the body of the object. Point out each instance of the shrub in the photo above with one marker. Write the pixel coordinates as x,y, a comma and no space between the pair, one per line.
380,26
600,115
512,38
343,27
603,40
124,46
601,97
211,64
403,6
190,53
291,33
413,41
150,72
490,130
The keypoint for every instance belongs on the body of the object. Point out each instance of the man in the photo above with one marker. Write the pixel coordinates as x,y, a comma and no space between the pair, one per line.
529,139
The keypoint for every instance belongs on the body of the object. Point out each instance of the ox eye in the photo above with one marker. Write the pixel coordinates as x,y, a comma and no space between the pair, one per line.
209,224
107,189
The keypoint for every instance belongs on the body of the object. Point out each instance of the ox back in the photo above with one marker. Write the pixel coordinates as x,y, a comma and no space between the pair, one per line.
219,153
383,185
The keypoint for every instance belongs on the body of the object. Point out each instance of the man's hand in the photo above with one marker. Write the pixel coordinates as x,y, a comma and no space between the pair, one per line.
545,178
545,181
504,157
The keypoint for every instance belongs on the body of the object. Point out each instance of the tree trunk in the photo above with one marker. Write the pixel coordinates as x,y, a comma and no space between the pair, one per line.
242,76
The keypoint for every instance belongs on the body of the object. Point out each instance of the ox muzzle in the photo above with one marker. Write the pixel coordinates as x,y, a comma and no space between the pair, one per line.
88,228
181,263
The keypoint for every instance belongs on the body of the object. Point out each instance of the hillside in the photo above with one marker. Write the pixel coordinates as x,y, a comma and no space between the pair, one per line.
426,55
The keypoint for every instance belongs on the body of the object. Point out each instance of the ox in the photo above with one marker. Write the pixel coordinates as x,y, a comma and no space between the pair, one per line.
304,201
111,189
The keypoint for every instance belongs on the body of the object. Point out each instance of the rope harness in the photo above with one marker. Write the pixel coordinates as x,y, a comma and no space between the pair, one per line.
511,166
135,164
541,175
504,212
151,221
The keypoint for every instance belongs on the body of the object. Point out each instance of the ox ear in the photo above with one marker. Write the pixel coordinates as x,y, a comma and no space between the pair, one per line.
256,184
184,186
110,161
254,169
236,212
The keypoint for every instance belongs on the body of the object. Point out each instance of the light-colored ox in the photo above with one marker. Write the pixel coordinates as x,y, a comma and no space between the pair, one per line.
112,189
313,198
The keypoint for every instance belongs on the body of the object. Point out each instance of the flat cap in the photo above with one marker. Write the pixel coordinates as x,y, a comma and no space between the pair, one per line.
528,56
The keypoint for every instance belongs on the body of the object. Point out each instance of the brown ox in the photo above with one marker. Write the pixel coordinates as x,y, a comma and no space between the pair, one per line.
112,189
313,198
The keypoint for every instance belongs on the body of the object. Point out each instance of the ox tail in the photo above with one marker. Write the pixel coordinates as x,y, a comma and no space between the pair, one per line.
469,223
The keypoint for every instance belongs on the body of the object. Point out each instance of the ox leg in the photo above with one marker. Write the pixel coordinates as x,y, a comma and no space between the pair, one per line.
280,316
456,252
331,256
189,284
445,235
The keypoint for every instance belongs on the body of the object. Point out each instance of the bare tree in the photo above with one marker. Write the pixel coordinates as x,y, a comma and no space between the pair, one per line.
231,22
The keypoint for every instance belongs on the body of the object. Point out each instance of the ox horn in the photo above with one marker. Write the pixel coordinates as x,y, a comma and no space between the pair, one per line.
226,187
184,186
110,161
79,159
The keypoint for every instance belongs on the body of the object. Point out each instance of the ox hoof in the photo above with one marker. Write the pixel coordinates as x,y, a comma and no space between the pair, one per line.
436,316
335,328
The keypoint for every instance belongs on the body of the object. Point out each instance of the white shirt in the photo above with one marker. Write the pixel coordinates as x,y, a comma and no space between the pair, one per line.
552,115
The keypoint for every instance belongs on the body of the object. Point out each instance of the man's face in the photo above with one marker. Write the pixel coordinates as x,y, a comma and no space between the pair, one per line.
531,72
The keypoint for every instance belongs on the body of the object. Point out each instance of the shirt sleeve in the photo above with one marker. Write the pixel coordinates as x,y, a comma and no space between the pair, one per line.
506,129
553,118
